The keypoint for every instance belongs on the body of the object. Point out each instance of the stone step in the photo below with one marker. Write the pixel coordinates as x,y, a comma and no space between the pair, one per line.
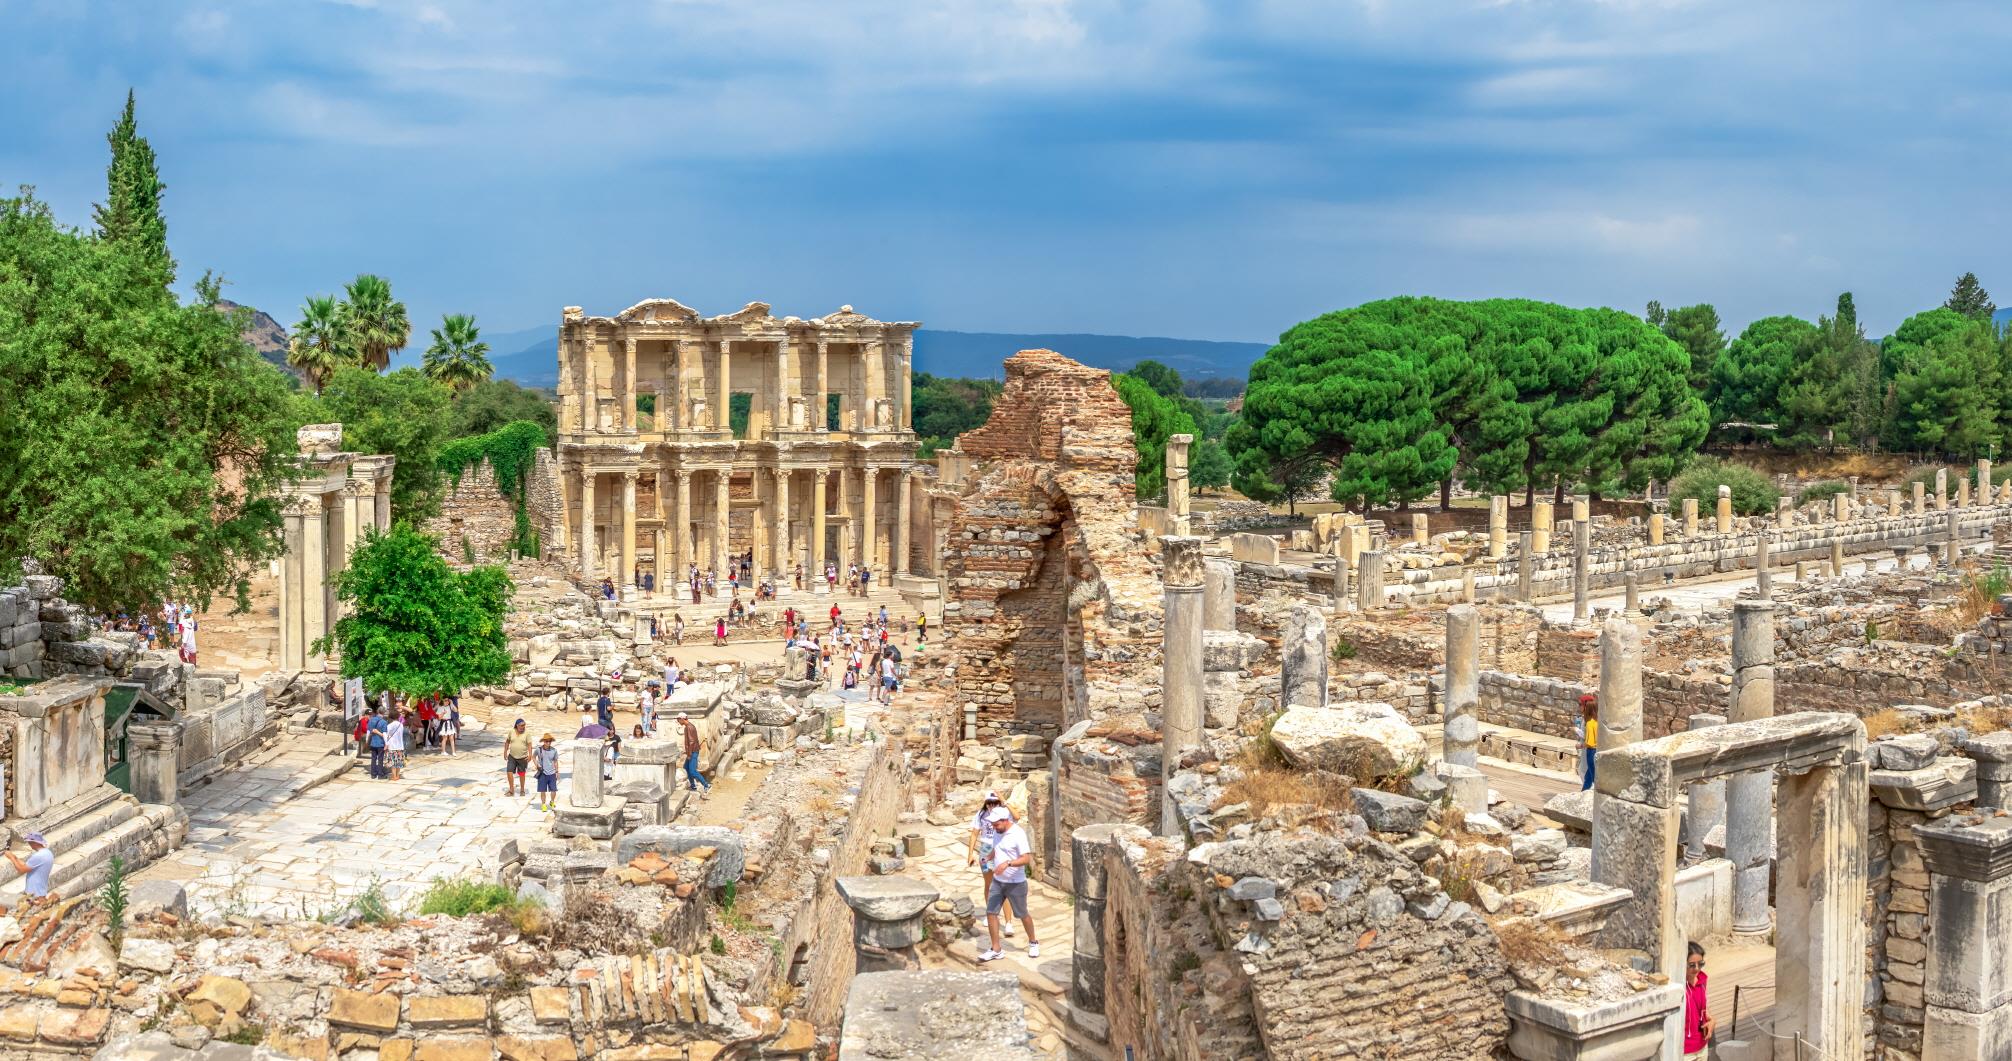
76,834
51,821
84,867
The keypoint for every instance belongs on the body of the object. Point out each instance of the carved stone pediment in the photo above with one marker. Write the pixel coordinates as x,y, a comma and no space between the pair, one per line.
658,309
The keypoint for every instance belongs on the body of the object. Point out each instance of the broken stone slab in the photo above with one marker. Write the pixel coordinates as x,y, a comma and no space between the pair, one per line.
599,823
148,898
1228,651
1573,810
1388,812
1910,751
1541,1029
1365,741
1948,781
729,859
1579,908
934,1015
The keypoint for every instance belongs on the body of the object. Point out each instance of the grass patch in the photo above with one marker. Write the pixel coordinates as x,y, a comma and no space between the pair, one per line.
1529,942
1888,722
1184,963
460,897
1981,592
246,1035
1819,492
1344,650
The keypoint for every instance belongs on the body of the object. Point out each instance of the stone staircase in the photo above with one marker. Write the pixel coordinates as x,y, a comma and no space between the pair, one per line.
85,832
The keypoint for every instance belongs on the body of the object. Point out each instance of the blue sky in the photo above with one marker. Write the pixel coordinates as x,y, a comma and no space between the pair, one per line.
1165,167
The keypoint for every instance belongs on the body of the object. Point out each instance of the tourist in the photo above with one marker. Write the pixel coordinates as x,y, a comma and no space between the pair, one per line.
427,716
1008,885
394,747
921,629
516,752
188,638
883,616
36,867
547,757
678,624
450,729
834,614
695,589
604,709
788,622
979,849
799,574
607,589
720,631
611,753
866,581
374,739
639,734
672,674
1698,1021
888,679
646,704
1588,730
695,781
589,729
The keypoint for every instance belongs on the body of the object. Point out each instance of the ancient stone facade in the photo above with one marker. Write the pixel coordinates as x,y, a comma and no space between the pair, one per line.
677,487
474,511
327,513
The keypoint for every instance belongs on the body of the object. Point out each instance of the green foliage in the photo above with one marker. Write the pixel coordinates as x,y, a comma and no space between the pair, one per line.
375,322
1696,329
1163,379
461,897
371,907
718,945
1832,393
1155,418
492,403
401,413
944,407
247,1034
1967,297
1819,492
1218,389
144,442
319,344
1209,468
1344,650
130,216
112,898
1746,383
738,404
511,451
1753,493
458,358
1946,370
415,626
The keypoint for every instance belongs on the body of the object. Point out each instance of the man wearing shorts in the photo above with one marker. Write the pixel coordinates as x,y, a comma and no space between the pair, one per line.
516,755
547,757
1010,858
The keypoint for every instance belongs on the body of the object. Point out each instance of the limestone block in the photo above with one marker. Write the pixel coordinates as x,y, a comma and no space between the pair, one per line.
937,1013
1388,812
729,860
1362,740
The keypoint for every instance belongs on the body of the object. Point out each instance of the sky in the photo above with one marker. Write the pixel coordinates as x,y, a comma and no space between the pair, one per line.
1147,167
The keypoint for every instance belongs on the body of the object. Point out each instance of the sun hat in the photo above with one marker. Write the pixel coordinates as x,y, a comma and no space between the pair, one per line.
34,838
544,738
999,814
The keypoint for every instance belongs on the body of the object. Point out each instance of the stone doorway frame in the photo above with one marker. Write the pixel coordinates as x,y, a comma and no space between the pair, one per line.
1821,796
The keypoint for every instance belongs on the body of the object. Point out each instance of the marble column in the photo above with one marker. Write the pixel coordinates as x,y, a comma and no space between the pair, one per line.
723,409
383,499
292,593
779,394
1620,726
1893,502
1631,600
1340,587
1498,527
1540,526
1983,480
585,788
1962,493
314,583
1725,512
1920,498
1462,734
1176,466
1369,581
1180,665
627,579
1840,508
1764,567
869,529
1941,489
819,414
819,478
588,567
904,519
1302,654
780,545
1526,565
1820,925
1707,802
1837,556
1690,517
1750,795
1421,529
683,548
628,393
1953,538
1582,547
1582,508
722,517
359,514
1656,528
663,566
1087,847
1219,595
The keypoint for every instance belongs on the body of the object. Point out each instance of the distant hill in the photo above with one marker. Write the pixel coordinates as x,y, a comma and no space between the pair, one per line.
2002,317
265,335
945,353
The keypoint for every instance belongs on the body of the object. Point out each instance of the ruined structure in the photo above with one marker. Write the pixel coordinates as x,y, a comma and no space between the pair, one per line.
822,470
327,513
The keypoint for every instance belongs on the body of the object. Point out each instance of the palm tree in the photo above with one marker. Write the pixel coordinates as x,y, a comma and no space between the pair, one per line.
320,342
456,359
377,323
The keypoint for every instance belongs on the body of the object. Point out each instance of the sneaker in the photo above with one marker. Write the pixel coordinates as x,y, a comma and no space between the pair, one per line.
991,955
1033,950
1007,930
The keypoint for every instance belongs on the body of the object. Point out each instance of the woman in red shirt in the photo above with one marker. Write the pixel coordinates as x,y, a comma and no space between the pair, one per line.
1697,1019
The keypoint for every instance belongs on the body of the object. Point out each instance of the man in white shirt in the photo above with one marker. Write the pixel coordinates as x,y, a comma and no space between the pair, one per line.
1010,859
36,866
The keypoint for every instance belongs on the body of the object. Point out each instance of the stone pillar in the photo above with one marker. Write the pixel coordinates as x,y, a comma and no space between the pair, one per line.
1540,526
1750,795
152,747
292,592
722,517
1764,567
628,545
628,392
662,565
1180,665
1840,508
1582,509
1656,528
1920,498
1088,880
1690,517
1725,512
1962,493
888,919
1953,549
314,583
1819,902
1582,545
869,529
1462,734
585,790
1983,480
723,409
1177,482
1784,513
1498,526
1466,787
1421,529
1369,581
1302,649
1941,489
1632,600
780,545
1526,565
1620,726
1467,585
1340,587
683,548
819,478
904,518
1219,595
1893,502
1968,990
1708,802
383,500
588,550
1837,556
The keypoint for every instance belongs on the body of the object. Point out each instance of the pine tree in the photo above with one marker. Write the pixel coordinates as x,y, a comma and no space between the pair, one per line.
131,212
1969,298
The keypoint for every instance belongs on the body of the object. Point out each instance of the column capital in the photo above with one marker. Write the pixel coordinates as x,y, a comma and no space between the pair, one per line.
629,345
629,475
1181,561
304,505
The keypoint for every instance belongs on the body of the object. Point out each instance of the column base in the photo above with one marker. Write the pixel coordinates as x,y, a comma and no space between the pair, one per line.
600,823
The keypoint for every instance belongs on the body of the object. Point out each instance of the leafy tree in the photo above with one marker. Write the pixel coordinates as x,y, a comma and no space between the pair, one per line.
458,358
144,441
944,407
492,403
401,413
1159,377
1155,418
1947,368
1969,298
414,625
1753,494
1746,383
318,345
1209,468
376,322
1833,392
1697,330
131,212
739,404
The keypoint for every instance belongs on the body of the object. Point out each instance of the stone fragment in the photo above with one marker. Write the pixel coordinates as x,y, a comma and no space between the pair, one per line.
551,1005
1251,889
1365,741
446,1011
1911,751
74,1027
360,1009
1388,812
728,863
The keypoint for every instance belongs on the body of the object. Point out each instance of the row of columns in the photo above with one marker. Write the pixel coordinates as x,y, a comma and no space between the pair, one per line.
716,386
320,531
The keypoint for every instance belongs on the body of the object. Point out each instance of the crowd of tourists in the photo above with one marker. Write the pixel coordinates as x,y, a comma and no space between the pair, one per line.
175,624
403,724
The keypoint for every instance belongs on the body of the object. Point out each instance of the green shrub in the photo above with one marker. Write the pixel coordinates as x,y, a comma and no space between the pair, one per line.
112,899
1344,649
461,897
1753,493
1821,492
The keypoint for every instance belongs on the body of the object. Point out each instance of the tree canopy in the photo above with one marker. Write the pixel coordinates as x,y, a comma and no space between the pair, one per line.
1155,418
131,213
1946,368
943,407
458,358
401,413
318,346
375,322
1746,382
414,625
1969,298
492,403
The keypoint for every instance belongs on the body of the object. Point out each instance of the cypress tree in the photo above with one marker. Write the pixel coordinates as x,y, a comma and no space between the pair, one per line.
131,212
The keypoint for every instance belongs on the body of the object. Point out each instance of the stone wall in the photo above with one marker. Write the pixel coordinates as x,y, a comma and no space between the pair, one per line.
218,736
1109,772
1052,610
545,504
1530,702
475,510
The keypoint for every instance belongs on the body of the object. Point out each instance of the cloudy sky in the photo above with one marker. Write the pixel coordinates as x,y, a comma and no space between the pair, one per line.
1166,167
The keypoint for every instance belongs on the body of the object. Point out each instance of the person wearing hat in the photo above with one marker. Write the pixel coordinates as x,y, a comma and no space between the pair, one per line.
693,778
1011,855
516,753
979,852
547,758
1589,735
35,867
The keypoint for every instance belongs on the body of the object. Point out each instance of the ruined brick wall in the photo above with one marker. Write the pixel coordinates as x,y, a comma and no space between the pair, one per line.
1669,700
544,502
475,510
1399,641
1897,930
1170,993
1110,772
1568,653
1871,678
1052,610
1534,703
